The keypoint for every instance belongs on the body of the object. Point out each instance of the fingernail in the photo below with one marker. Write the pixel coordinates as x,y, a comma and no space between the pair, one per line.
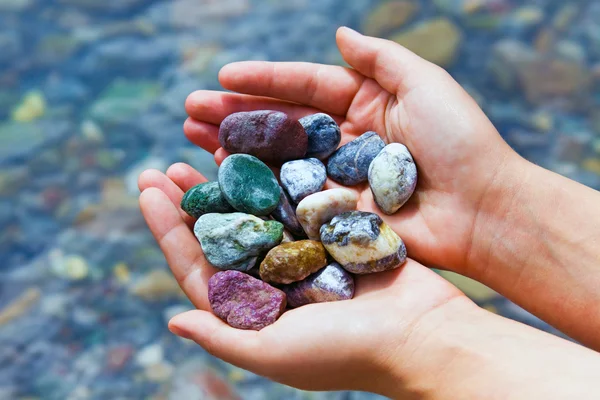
351,31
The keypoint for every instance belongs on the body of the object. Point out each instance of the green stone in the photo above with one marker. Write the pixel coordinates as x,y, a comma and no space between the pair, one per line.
203,199
235,240
248,184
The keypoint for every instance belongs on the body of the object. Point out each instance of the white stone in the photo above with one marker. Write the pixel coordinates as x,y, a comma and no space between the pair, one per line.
319,208
150,355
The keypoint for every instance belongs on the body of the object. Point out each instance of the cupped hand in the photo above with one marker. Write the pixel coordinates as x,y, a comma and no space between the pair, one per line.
460,156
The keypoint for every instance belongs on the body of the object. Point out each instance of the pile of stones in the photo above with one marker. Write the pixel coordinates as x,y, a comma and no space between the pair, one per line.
292,244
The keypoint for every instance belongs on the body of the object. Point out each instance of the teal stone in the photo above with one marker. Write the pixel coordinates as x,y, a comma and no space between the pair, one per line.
248,184
203,199
234,241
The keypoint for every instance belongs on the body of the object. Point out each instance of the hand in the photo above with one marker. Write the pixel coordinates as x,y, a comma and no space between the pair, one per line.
404,326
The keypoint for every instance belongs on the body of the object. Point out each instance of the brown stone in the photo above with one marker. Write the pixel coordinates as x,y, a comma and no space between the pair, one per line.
388,17
292,262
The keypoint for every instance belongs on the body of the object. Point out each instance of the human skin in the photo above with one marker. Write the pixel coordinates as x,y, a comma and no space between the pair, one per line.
479,210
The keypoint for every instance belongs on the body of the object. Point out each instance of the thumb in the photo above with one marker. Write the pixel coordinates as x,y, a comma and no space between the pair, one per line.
394,67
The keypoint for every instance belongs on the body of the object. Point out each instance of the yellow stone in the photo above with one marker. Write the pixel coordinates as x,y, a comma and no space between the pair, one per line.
436,40
236,375
475,290
542,121
76,267
529,15
20,305
592,165
156,285
31,108
472,6
121,272
389,16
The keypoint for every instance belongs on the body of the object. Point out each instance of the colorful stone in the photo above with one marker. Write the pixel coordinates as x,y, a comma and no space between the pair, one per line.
323,133
291,262
319,208
244,302
349,165
332,283
248,185
233,241
301,178
362,243
205,198
286,214
272,136
392,177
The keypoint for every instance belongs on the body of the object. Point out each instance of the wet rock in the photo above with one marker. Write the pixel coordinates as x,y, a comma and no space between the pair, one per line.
271,136
392,177
362,243
332,283
319,208
233,241
31,108
388,17
301,178
156,285
248,184
508,57
436,40
205,198
20,305
244,302
349,165
286,214
324,135
292,262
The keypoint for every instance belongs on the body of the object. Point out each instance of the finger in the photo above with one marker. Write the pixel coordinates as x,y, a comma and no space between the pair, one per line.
235,346
154,178
181,249
394,67
213,106
185,176
220,155
325,87
202,134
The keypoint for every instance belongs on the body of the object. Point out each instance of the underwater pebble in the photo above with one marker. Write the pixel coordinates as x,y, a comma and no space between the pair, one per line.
331,283
323,133
349,165
362,243
244,302
248,185
285,213
233,241
205,198
392,177
272,136
291,262
301,178
319,208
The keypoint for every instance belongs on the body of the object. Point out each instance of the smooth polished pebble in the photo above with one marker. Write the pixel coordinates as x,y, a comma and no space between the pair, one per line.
301,178
332,283
324,135
291,262
272,136
248,184
233,241
349,165
244,302
205,198
319,208
286,214
362,243
392,177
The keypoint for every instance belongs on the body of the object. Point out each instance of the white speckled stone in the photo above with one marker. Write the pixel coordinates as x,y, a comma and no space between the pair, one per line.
392,177
301,178
319,208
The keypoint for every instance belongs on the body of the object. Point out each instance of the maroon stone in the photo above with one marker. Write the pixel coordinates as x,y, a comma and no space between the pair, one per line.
244,302
271,136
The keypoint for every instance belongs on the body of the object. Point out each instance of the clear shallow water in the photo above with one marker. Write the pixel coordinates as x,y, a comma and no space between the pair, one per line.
91,93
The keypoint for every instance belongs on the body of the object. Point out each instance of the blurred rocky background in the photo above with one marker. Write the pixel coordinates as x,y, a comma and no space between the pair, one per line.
91,94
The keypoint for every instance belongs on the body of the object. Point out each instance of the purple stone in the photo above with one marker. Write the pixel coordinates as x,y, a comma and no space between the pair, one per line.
244,302
286,214
271,136
331,283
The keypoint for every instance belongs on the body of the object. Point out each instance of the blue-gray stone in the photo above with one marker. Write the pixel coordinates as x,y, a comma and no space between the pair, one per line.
301,178
286,214
324,135
349,165
233,241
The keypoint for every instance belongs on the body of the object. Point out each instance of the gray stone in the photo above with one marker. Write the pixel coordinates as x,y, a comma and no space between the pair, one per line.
324,135
349,165
301,178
